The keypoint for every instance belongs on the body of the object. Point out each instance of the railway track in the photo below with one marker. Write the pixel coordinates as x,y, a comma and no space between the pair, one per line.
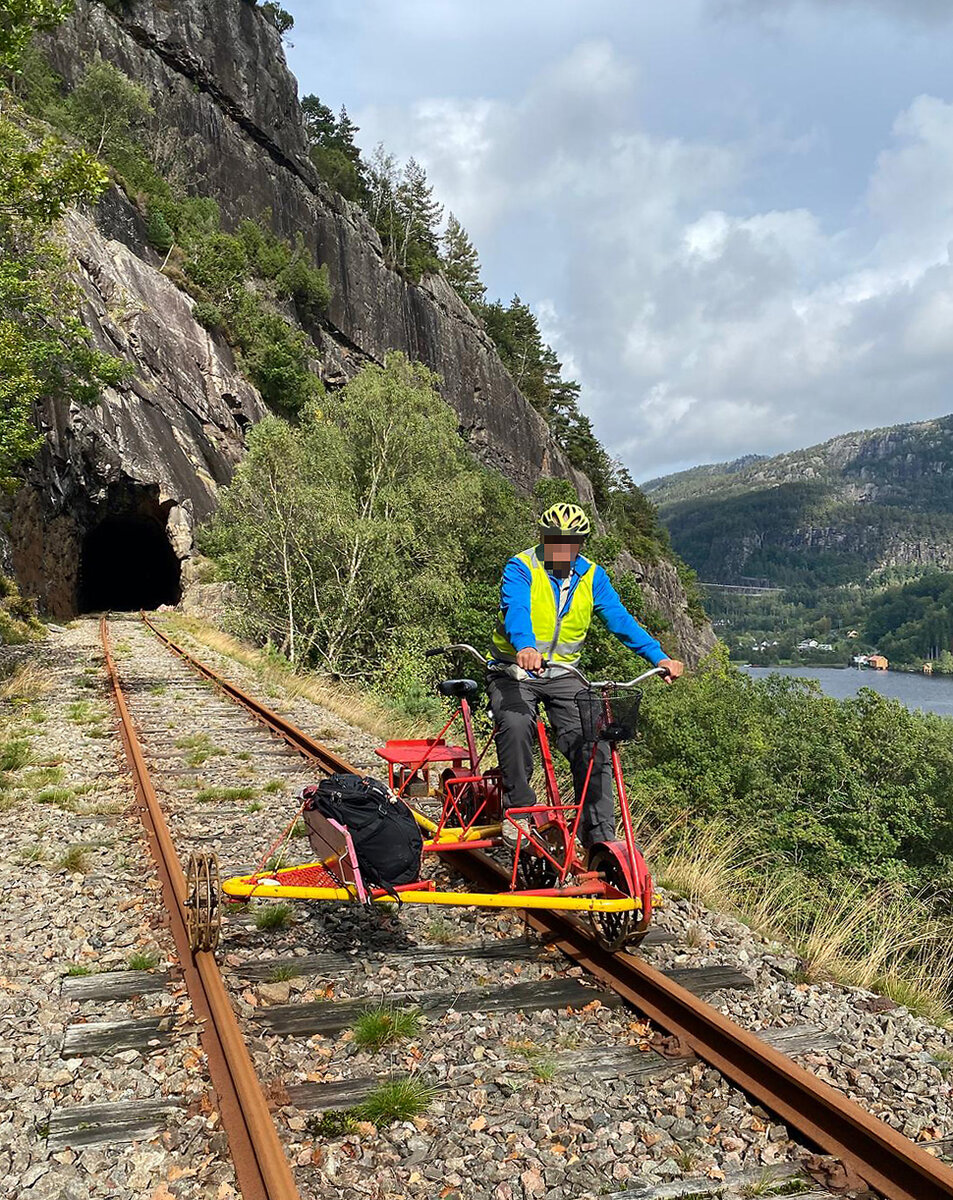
888,1162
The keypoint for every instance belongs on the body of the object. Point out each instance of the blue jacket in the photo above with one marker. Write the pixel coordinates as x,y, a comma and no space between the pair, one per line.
514,601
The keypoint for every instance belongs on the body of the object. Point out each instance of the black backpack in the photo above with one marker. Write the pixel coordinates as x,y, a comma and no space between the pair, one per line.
386,838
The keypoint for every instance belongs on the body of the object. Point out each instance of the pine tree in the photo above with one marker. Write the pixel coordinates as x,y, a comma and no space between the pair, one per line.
333,151
419,215
462,263
319,122
346,129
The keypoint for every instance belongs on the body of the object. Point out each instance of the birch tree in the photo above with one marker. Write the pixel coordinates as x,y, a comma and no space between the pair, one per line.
350,530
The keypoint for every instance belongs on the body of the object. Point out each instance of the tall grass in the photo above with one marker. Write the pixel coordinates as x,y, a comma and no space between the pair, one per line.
357,708
889,940
27,682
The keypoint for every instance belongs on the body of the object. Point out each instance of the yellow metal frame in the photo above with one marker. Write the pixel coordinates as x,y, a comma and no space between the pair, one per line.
454,833
246,886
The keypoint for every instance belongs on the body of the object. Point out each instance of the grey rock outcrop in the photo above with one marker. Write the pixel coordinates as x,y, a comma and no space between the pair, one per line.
157,450
663,591
234,130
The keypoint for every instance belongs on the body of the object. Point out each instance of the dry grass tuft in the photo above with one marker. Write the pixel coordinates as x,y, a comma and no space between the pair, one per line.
888,943
356,708
28,682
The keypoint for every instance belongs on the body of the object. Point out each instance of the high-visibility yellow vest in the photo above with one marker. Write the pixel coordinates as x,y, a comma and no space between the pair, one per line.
559,639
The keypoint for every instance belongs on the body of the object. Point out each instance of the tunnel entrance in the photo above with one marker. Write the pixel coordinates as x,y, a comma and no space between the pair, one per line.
127,563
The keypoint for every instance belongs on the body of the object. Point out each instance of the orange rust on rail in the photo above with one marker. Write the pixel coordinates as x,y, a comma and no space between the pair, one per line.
261,1167
306,746
884,1158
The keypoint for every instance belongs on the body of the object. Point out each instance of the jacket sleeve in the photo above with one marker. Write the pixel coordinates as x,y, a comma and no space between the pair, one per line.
620,621
514,602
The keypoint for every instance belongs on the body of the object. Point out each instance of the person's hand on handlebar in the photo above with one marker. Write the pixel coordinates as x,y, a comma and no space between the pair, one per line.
673,669
530,659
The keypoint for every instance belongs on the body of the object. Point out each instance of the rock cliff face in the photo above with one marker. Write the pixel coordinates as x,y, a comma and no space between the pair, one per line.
153,455
216,70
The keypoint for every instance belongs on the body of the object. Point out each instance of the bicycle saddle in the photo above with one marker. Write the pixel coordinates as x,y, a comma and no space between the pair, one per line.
461,688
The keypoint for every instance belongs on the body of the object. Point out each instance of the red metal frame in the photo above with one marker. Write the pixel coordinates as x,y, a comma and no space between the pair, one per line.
460,784
435,750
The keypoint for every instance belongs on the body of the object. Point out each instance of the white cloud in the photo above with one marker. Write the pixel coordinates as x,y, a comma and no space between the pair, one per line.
700,327
923,12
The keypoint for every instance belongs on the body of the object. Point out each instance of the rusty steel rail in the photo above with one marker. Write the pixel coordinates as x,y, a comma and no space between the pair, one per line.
261,1166
309,749
887,1161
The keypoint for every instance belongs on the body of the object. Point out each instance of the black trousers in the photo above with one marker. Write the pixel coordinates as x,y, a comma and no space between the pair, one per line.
515,703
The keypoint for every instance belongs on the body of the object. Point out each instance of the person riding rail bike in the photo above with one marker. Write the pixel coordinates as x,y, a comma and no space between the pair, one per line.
547,597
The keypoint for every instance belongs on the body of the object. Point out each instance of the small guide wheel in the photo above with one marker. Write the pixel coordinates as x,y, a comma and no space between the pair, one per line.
203,912
613,929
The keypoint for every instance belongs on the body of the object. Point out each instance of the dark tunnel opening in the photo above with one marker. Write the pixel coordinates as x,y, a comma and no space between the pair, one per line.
128,564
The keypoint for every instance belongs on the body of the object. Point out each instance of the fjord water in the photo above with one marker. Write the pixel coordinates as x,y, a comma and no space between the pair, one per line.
931,693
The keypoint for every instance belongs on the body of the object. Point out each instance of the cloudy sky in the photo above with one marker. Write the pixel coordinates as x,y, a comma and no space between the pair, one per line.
732,217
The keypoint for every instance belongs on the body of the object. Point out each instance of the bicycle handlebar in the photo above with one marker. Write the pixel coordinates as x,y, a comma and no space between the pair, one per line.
471,650
598,684
595,684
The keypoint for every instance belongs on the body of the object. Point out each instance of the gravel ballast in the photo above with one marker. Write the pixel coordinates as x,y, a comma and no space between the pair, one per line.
519,1109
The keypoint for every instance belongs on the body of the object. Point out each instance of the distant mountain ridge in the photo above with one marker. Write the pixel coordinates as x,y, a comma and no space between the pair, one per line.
835,513
705,471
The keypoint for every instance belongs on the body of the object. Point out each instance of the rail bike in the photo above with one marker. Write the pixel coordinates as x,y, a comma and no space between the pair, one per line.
457,801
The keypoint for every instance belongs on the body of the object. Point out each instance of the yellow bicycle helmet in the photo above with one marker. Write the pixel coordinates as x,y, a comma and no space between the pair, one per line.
564,520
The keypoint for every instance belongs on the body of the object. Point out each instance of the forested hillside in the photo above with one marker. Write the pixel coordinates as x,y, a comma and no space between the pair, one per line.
831,526
831,514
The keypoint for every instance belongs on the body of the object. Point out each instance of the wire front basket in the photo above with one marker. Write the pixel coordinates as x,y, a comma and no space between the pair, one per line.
610,715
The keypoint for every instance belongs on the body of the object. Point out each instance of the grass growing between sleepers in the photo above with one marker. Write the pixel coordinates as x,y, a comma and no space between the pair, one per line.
211,794
441,932
143,960
75,860
273,916
15,754
282,973
200,748
541,1061
770,1185
397,1099
378,1027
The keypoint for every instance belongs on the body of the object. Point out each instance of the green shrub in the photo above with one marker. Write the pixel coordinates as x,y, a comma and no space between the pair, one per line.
209,315
159,232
